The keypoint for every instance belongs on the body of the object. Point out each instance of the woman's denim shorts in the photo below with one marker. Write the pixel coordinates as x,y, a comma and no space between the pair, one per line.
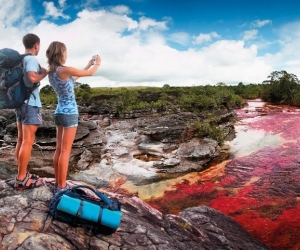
67,121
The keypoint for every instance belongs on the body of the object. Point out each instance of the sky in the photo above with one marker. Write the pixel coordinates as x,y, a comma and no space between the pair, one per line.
158,42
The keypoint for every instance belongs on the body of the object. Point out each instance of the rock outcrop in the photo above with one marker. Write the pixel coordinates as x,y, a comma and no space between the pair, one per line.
107,151
25,224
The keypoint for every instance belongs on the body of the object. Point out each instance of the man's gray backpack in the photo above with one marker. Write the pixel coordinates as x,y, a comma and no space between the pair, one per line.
13,92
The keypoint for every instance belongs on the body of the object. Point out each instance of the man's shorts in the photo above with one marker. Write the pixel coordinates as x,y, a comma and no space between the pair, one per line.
29,115
67,121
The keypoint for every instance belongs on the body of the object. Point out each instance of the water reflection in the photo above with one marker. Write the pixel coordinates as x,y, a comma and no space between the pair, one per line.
248,141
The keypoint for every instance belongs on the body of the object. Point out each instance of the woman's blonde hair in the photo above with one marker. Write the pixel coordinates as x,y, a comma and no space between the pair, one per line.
55,55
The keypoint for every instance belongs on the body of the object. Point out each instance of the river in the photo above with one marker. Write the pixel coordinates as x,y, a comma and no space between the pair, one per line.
259,187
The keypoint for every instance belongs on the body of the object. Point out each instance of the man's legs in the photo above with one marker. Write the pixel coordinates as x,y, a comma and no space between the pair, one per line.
28,119
24,147
20,139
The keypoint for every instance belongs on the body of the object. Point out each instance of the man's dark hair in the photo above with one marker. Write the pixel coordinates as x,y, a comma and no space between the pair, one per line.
30,40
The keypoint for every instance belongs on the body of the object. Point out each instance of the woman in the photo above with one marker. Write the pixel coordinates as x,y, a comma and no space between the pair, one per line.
62,80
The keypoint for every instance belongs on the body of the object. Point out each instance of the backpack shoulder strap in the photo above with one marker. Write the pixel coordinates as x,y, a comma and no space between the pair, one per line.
24,55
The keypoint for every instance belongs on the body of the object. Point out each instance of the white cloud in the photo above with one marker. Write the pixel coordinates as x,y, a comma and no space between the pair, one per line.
61,3
52,11
260,23
97,23
15,12
121,9
146,23
204,38
182,38
250,34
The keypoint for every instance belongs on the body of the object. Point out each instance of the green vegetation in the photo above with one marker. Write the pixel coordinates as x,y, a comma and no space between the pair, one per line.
280,87
191,99
48,96
209,128
167,99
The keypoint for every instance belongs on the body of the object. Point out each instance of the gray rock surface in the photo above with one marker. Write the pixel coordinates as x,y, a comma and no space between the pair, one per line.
25,224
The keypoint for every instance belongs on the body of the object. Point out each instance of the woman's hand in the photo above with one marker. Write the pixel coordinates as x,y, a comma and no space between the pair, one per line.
90,63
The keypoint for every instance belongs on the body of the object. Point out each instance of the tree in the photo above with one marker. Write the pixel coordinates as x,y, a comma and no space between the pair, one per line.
47,89
85,86
77,85
281,87
278,75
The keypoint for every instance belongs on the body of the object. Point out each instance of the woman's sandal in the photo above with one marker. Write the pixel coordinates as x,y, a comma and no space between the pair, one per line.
58,188
30,181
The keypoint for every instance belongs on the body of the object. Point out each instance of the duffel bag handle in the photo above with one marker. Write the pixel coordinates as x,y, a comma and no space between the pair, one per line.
102,196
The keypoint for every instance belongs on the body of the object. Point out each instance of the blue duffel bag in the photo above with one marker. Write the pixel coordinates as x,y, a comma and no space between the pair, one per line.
78,207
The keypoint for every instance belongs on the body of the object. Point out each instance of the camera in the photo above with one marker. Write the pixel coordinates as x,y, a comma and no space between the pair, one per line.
94,59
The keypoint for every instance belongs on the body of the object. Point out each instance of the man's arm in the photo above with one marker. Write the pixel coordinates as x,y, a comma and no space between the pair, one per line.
33,77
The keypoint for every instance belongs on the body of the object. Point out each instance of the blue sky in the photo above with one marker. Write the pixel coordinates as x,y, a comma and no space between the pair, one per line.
157,42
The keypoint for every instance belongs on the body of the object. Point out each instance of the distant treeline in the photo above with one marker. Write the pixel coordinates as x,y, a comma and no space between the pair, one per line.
280,87
123,99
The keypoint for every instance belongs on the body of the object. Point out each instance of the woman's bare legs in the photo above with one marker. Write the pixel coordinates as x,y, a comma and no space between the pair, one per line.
59,130
65,138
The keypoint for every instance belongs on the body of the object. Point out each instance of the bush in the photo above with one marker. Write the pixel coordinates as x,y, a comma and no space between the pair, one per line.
47,89
208,129
48,99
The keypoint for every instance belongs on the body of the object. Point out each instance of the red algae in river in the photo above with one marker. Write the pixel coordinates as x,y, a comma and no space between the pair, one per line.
259,187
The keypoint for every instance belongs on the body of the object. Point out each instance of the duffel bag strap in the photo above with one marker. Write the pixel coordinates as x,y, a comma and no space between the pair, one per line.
80,209
100,215
102,196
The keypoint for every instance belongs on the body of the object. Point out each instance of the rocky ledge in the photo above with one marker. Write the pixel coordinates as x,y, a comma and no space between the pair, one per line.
25,224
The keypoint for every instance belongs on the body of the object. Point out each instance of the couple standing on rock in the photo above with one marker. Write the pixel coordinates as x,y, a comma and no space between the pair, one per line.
29,115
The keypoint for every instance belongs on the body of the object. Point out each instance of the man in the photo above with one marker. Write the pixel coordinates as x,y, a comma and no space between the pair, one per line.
29,115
